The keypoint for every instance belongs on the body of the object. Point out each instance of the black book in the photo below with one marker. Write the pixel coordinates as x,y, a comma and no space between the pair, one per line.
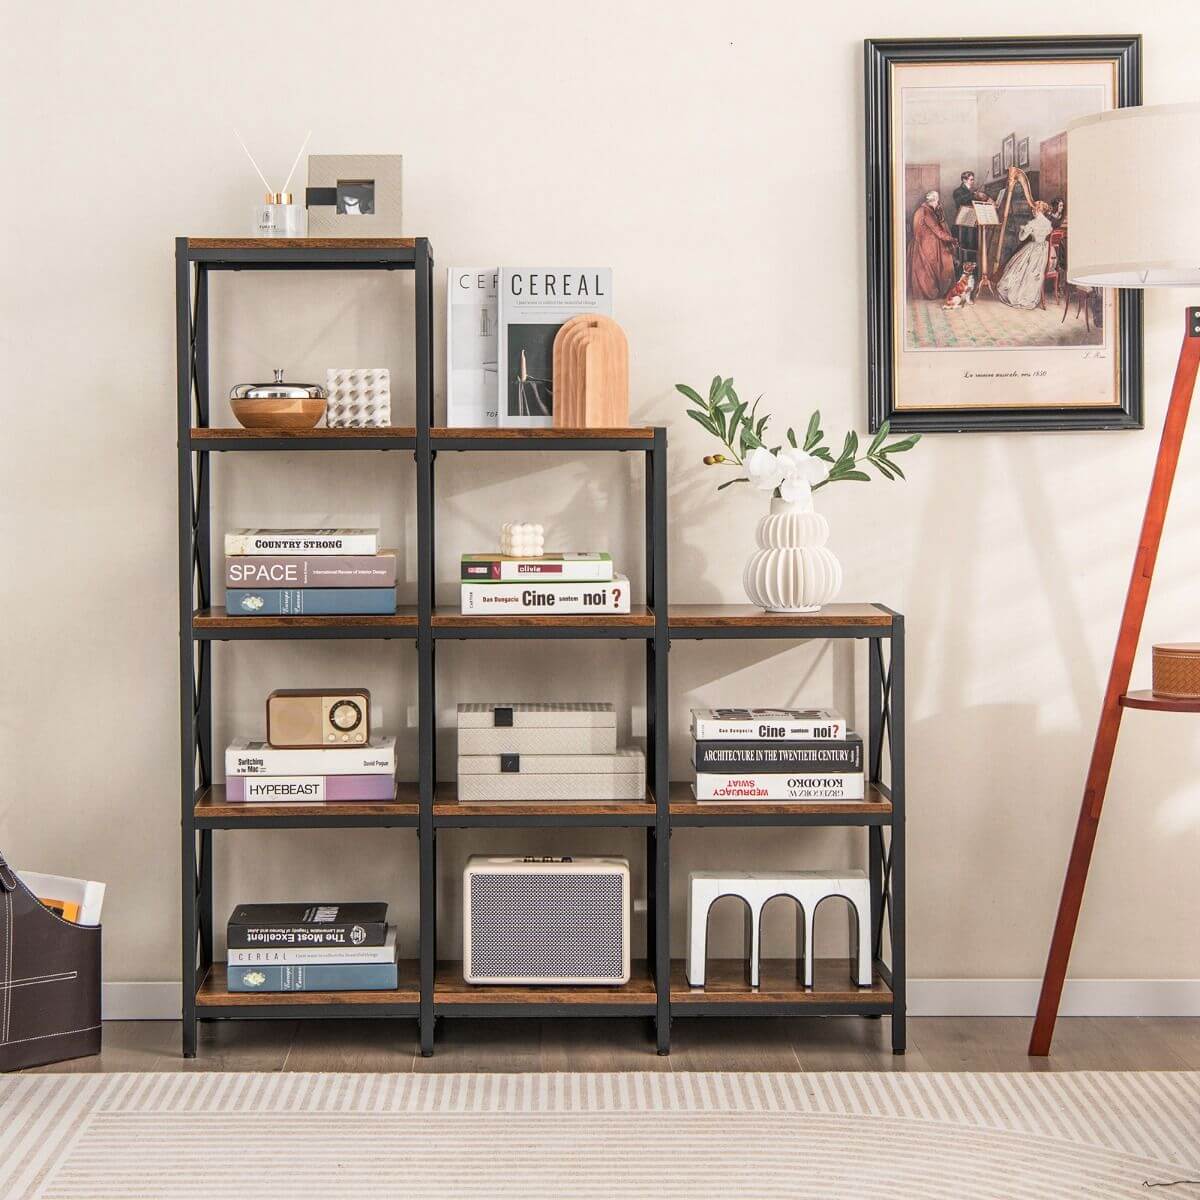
307,925
810,758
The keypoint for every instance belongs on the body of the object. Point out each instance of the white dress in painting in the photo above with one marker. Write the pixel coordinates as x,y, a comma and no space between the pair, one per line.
1024,277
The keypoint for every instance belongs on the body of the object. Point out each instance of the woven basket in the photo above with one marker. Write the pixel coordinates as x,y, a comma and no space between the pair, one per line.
1176,671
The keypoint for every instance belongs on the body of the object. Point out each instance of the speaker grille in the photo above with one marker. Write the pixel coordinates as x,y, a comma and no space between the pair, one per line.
547,926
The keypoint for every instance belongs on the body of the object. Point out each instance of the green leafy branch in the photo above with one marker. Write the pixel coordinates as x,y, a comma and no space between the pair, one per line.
740,430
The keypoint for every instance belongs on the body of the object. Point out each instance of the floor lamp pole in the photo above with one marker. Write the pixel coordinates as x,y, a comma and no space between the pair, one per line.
1118,685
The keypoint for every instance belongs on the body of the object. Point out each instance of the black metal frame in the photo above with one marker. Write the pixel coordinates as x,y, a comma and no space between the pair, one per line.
885,833
1125,51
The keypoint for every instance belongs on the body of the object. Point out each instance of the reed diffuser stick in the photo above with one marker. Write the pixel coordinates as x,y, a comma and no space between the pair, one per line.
250,156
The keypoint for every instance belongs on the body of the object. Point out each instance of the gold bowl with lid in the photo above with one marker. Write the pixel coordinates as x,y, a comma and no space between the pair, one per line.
278,405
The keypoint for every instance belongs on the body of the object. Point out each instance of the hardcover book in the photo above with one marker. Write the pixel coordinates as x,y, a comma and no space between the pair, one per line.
307,925
472,344
779,757
300,956
771,787
567,599
244,756
566,568
767,725
302,541
310,601
533,305
309,789
348,977
311,570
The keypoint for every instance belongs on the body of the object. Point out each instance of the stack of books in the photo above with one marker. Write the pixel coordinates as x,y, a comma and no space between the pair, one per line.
313,572
311,948
567,584
256,773
775,755
544,752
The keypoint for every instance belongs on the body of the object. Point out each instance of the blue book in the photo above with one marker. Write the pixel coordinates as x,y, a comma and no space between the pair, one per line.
313,602
341,977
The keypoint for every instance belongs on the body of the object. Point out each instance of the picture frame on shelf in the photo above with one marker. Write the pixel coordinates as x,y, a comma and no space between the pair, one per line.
1014,354
354,195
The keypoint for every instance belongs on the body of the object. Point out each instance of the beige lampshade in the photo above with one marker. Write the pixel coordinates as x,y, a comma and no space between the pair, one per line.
1134,209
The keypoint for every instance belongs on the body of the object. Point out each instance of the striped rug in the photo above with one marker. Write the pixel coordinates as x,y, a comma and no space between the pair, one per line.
832,1136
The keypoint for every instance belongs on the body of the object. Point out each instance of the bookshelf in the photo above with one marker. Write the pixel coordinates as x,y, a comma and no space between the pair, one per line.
432,986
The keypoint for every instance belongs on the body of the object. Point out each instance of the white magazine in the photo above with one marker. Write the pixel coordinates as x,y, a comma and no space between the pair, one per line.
471,345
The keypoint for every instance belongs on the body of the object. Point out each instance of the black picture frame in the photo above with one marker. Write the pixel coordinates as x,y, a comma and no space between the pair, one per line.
879,55
1008,151
996,172
1023,152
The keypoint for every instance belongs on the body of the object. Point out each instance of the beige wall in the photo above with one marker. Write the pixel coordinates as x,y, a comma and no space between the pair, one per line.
712,154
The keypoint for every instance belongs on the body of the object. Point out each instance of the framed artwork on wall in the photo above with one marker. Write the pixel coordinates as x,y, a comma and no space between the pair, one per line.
971,321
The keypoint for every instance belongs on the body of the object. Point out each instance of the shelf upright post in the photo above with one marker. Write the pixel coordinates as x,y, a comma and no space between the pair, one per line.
876,712
188,698
896,898
658,735
427,703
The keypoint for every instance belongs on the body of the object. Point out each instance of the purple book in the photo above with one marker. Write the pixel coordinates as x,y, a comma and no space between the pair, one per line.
308,789
311,570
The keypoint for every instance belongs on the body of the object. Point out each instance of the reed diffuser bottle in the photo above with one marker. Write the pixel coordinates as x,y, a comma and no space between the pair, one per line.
277,216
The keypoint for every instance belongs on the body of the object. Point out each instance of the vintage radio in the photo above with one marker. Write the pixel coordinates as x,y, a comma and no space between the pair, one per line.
305,719
546,920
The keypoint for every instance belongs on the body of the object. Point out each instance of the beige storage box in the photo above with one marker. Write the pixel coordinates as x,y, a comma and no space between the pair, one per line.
492,778
537,729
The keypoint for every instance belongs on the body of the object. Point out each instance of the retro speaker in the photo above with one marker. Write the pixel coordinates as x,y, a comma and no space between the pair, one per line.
546,920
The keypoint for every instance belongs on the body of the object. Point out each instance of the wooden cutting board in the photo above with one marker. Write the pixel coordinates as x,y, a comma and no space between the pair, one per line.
591,374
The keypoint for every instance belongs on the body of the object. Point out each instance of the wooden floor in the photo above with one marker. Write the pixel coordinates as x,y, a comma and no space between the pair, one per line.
698,1044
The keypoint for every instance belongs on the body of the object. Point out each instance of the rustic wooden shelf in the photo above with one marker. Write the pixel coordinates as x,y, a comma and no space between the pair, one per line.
708,620
214,992
390,437
268,244
875,809
1148,700
216,624
214,811
779,984
450,991
450,812
444,433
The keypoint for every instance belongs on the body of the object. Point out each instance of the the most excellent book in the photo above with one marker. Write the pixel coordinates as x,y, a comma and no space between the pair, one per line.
308,924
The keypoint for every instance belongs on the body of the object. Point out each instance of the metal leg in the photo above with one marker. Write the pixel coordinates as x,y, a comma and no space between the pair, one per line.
658,748
897,875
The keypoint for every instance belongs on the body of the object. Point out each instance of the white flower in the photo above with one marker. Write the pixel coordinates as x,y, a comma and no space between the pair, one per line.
765,470
791,472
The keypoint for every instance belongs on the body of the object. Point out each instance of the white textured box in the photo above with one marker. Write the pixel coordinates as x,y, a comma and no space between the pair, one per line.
580,739
621,776
359,397
550,715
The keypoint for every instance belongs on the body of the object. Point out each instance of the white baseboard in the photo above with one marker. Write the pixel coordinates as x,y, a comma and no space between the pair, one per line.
926,998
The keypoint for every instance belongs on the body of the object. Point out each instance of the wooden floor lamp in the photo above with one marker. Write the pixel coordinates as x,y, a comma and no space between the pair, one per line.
1131,224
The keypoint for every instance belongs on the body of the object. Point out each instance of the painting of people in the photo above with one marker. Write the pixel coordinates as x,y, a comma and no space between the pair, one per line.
981,311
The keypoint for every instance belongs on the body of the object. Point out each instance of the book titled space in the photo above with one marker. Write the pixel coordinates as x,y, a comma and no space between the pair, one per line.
564,599
472,341
311,570
533,304
565,568
302,541
767,724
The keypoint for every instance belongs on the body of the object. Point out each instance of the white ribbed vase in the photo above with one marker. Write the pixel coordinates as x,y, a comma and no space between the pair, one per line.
792,570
